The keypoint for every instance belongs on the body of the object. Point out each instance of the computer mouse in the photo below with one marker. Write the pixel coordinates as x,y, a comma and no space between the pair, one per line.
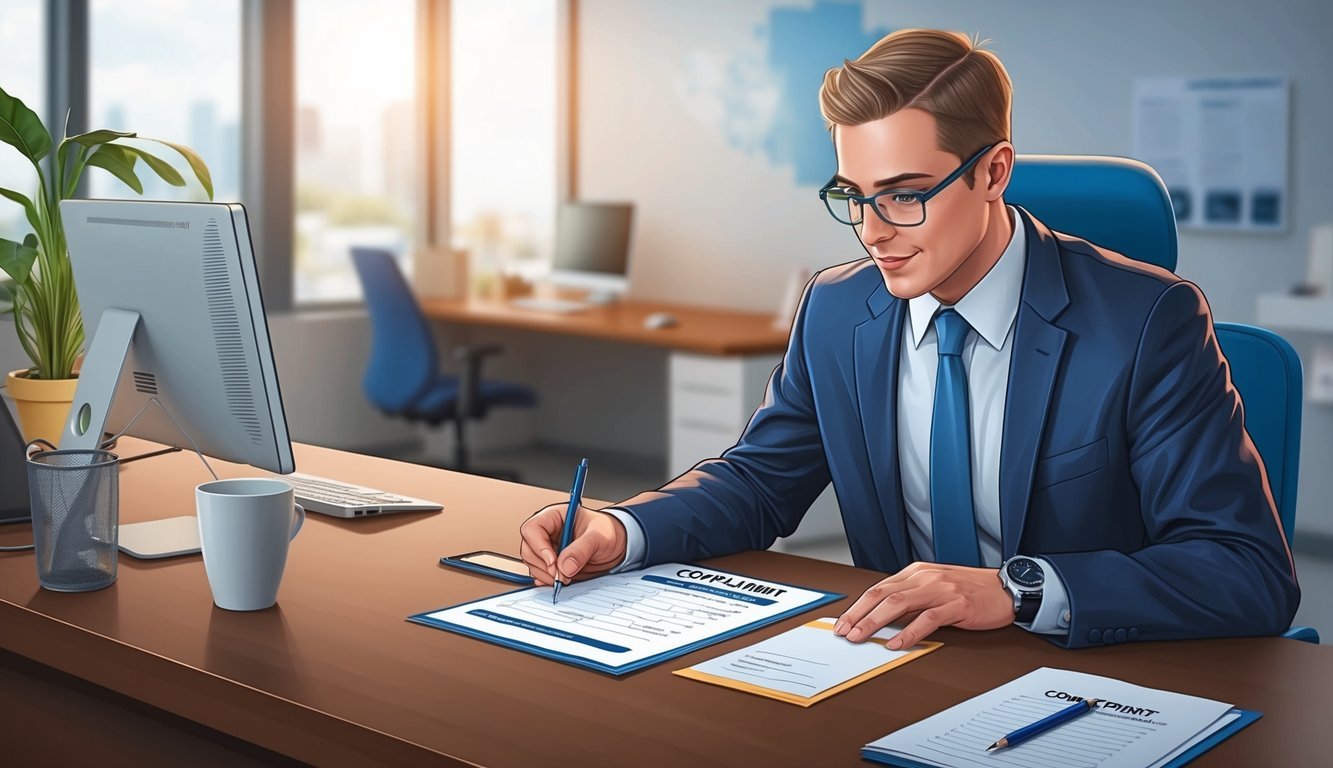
660,320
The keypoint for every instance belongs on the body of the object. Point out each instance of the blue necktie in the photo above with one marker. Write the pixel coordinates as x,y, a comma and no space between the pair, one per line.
953,524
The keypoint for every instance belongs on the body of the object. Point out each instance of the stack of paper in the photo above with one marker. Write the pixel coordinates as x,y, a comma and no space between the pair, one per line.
1131,726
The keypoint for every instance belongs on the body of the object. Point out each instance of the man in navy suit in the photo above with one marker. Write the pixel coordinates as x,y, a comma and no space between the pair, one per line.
1020,426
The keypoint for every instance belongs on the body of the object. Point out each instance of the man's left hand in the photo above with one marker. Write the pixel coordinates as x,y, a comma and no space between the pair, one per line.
945,595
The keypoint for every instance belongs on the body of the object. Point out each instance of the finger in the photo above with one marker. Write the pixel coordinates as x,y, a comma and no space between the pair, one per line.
895,606
536,566
577,555
865,603
539,532
930,620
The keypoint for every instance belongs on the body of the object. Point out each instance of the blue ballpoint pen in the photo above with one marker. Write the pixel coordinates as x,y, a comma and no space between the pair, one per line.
1045,724
567,533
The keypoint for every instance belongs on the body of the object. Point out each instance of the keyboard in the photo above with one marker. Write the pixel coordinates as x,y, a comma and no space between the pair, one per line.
331,497
556,306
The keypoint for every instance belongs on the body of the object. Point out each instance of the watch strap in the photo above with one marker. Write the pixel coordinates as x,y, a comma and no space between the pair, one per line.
1028,606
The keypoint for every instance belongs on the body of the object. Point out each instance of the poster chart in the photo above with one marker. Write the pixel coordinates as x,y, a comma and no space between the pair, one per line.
1221,146
623,622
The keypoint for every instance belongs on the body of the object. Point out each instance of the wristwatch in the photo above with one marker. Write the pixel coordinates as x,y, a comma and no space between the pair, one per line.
1023,578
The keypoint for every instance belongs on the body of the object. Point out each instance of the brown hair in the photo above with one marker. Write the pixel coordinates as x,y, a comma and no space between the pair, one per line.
946,74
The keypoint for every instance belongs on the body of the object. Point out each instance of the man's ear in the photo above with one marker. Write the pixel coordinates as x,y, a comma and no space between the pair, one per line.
997,168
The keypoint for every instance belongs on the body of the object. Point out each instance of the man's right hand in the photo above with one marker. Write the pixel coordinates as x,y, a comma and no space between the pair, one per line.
597,547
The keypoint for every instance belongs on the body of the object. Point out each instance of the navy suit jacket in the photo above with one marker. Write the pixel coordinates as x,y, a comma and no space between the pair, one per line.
1124,462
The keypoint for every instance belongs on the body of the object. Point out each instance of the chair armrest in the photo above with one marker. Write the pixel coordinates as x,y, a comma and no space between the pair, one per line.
470,377
1305,634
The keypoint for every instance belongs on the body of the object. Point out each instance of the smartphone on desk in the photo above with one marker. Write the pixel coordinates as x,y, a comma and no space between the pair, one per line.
492,564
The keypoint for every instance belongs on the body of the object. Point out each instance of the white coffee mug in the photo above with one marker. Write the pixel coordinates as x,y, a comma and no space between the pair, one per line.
245,525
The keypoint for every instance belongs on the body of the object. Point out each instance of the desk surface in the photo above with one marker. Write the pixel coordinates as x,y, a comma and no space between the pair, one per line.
335,675
699,330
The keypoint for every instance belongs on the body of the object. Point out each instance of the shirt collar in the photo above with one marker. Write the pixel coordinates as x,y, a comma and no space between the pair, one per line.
992,304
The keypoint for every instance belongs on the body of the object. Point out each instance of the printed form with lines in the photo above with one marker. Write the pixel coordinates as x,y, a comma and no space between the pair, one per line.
620,620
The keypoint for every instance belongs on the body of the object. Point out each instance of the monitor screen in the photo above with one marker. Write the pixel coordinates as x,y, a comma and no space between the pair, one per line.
593,238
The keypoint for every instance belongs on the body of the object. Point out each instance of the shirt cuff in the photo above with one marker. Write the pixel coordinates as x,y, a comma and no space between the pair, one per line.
1053,616
636,544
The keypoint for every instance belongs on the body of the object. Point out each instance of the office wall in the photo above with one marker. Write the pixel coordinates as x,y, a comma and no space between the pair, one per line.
679,112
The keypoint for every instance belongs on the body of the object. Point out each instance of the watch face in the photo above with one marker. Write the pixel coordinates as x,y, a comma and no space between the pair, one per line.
1025,572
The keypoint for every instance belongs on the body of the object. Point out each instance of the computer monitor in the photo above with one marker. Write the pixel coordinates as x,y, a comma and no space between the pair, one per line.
172,307
13,471
592,248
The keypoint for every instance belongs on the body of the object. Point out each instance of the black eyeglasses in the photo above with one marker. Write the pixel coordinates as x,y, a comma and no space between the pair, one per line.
899,207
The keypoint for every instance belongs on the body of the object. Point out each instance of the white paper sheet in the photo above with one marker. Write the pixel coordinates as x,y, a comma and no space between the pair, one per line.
805,661
1132,726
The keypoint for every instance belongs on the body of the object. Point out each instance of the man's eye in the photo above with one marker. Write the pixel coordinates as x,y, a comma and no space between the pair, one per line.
904,198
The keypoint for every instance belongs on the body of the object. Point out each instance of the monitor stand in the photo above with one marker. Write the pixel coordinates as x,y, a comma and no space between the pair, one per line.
601,298
93,396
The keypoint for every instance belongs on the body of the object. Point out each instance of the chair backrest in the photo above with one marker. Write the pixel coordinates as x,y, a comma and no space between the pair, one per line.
403,360
1114,202
1267,373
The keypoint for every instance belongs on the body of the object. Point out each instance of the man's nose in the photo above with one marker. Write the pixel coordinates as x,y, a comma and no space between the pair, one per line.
874,229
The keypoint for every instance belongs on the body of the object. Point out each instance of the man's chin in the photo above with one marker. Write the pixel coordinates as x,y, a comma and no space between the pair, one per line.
902,287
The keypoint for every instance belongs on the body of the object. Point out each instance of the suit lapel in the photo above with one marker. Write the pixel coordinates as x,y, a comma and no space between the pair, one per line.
876,363
1034,368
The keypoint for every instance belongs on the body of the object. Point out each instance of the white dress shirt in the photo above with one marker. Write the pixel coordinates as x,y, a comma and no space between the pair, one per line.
990,308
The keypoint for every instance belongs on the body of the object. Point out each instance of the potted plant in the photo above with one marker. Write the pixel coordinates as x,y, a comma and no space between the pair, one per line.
40,290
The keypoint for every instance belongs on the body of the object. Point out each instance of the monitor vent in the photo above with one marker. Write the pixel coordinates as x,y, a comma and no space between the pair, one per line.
145,383
227,337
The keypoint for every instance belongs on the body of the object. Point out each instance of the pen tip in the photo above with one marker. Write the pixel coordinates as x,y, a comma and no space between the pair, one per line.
993,746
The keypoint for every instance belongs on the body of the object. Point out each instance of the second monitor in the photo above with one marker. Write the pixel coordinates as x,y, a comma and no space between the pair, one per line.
592,249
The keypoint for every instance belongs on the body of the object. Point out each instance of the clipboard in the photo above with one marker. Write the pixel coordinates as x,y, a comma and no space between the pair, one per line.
429,619
1247,716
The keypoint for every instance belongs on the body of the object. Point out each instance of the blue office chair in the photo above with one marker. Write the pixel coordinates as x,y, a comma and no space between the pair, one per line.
1122,205
1117,203
1267,373
403,378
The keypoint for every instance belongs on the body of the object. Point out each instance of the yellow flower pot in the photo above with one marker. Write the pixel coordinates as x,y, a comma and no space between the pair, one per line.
43,405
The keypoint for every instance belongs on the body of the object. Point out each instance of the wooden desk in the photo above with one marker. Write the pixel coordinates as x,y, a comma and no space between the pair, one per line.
334,675
701,331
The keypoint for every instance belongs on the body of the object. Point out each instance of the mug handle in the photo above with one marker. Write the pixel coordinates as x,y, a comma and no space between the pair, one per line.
300,521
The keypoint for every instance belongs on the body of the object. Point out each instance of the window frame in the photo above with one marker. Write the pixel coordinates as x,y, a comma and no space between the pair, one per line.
268,121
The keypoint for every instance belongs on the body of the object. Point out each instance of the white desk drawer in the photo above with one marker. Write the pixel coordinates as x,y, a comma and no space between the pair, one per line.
726,411
719,375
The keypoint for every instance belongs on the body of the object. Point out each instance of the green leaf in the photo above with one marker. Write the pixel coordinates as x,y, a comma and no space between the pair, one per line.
7,289
161,167
196,164
29,209
21,128
120,163
93,138
16,259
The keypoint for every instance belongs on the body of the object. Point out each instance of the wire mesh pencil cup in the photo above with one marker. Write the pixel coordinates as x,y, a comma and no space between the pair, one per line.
75,499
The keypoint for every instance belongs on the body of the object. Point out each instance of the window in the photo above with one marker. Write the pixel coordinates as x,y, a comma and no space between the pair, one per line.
169,71
503,144
356,133
23,76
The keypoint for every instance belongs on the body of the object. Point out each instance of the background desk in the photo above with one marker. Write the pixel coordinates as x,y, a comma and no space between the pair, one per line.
719,364
334,675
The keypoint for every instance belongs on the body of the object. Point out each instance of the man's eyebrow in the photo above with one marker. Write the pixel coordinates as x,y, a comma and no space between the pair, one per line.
885,182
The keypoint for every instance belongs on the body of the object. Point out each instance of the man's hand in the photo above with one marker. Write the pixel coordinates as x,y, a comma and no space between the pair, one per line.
945,595
598,544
